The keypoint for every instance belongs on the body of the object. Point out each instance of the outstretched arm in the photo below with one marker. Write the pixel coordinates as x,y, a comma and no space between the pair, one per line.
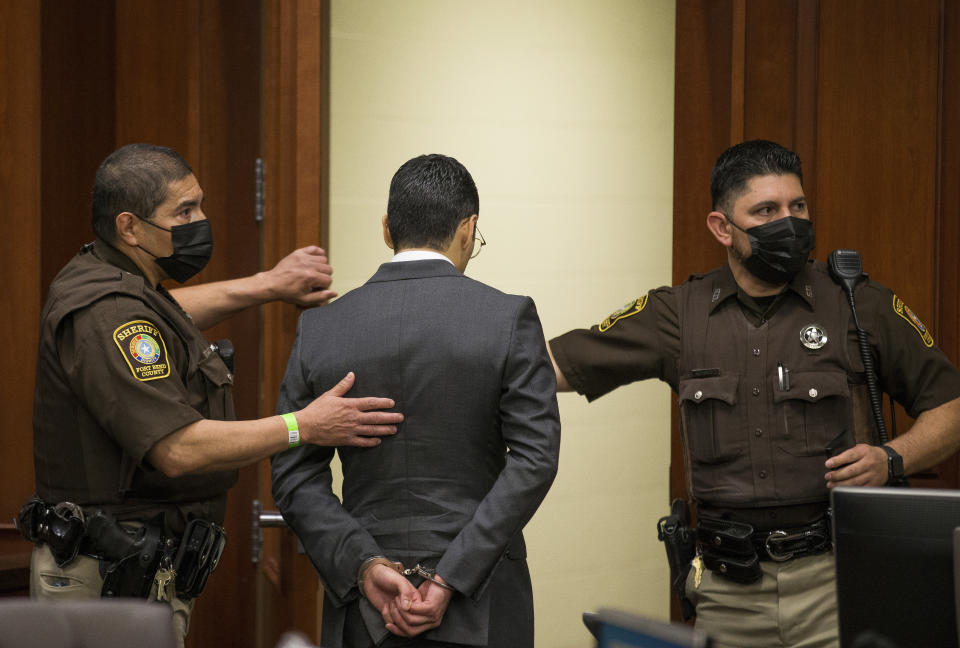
302,278
562,384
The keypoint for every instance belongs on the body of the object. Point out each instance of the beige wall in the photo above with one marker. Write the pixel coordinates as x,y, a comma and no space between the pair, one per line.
563,113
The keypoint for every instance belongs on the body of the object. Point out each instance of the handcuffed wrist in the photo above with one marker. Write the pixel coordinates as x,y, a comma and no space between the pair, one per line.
373,561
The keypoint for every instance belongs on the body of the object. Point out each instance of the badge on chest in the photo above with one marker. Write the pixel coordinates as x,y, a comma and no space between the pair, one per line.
813,336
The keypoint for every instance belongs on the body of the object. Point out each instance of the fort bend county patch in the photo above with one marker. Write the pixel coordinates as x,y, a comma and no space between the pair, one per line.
142,346
632,308
904,311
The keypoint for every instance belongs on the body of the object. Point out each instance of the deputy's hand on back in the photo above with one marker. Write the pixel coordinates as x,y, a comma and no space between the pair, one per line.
332,420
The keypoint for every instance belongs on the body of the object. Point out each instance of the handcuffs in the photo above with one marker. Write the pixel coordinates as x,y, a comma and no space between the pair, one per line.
419,570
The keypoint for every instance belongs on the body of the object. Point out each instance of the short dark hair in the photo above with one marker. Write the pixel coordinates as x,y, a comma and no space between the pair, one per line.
133,178
738,164
429,196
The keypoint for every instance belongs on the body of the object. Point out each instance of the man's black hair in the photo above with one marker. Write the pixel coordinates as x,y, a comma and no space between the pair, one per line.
738,164
134,178
430,196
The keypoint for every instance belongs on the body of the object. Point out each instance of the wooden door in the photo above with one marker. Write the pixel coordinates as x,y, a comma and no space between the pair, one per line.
80,78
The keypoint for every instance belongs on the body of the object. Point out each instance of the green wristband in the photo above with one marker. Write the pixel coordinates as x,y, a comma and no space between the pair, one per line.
293,431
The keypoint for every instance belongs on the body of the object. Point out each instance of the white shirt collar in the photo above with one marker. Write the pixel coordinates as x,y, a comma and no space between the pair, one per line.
419,255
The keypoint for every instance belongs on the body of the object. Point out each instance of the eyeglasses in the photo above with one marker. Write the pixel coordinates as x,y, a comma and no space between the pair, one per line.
477,238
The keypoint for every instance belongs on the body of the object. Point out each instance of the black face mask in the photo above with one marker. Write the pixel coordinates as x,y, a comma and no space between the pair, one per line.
192,247
779,249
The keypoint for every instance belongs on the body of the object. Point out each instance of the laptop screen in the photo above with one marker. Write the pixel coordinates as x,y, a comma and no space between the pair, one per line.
618,629
895,569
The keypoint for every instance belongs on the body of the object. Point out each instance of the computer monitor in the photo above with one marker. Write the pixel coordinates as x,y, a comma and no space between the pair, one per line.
895,569
619,629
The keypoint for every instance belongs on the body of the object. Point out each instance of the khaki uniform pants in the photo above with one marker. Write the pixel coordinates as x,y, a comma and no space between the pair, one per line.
794,604
81,580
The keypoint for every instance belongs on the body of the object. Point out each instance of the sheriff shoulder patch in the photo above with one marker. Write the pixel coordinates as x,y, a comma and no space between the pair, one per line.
632,308
904,311
142,346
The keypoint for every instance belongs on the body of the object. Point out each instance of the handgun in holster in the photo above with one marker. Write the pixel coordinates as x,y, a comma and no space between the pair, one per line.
680,542
130,556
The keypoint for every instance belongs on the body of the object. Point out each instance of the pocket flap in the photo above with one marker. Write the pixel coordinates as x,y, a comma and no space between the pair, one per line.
813,386
698,390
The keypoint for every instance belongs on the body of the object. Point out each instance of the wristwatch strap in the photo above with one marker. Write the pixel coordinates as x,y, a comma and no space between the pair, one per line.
894,464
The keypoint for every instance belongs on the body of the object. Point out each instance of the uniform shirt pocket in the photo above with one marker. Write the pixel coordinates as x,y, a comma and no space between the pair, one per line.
707,410
814,415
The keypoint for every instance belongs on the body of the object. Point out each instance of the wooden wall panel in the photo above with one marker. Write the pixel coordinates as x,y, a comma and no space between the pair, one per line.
78,121
295,146
770,86
946,312
877,140
948,187
947,316
20,189
701,127
158,74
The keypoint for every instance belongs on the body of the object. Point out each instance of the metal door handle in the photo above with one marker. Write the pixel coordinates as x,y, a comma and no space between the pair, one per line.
262,519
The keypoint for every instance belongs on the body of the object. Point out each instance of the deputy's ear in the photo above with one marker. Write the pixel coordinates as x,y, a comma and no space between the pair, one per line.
124,223
720,227
386,232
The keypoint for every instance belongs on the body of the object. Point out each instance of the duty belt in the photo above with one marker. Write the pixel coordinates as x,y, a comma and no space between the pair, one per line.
785,544
133,556
734,549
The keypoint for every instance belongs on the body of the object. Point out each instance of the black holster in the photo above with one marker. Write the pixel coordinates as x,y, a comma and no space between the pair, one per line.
727,549
678,539
130,557
150,548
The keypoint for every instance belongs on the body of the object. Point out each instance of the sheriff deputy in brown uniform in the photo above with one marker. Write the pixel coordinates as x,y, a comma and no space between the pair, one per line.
763,356
135,442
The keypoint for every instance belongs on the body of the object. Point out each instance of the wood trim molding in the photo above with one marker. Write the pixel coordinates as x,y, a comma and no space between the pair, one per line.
295,151
738,28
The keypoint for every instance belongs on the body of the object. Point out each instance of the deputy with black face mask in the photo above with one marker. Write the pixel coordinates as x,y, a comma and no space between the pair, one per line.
762,354
135,438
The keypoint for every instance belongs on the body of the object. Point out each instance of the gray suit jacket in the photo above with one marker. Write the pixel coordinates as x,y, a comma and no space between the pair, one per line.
475,455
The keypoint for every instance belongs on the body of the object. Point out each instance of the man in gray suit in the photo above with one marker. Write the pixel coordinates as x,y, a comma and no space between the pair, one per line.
426,549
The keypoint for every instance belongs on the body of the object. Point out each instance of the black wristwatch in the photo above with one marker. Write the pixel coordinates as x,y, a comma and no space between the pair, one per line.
894,465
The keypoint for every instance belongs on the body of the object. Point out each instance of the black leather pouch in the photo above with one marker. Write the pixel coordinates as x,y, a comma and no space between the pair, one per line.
727,549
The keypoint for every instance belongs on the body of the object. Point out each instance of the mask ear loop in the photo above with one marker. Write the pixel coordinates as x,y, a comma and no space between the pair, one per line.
144,220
